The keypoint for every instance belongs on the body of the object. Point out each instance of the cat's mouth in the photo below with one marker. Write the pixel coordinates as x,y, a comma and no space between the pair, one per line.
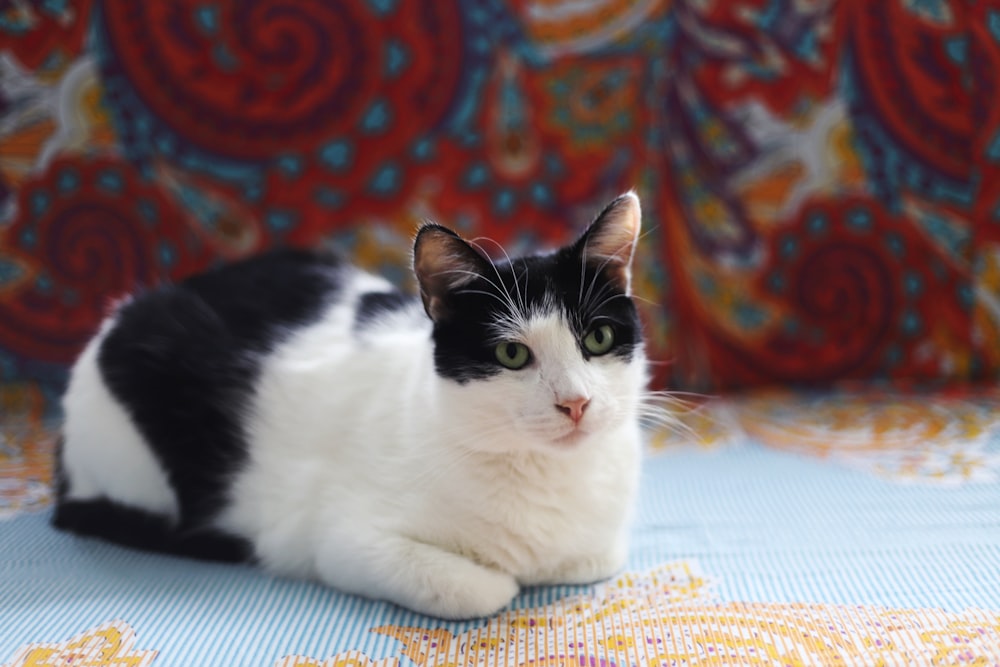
571,438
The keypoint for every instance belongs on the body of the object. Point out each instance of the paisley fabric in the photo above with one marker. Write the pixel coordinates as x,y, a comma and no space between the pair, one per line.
821,179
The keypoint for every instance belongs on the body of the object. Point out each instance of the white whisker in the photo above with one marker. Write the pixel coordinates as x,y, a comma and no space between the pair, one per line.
496,270
517,289
502,290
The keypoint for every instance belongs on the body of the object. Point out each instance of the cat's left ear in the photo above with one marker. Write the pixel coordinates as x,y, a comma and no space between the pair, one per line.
443,263
609,243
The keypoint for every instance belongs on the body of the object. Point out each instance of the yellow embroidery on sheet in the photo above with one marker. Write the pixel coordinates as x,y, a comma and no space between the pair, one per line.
108,645
345,659
667,617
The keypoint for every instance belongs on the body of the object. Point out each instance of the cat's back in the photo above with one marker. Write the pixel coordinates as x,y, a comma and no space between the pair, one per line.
157,406
167,345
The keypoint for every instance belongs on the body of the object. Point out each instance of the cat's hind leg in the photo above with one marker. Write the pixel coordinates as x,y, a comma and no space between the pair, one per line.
109,483
102,453
415,575
139,529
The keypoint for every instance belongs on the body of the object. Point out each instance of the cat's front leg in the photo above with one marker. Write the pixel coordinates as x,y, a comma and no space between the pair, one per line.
415,575
584,569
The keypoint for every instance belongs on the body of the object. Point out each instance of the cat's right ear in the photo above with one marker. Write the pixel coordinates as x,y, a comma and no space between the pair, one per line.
443,262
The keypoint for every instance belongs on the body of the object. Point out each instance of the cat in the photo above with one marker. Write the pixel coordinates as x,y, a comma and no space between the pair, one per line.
438,452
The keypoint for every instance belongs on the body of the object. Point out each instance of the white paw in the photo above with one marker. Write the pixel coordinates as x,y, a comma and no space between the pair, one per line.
468,592
418,576
583,570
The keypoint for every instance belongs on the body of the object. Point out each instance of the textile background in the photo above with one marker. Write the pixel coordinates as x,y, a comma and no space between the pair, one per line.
819,177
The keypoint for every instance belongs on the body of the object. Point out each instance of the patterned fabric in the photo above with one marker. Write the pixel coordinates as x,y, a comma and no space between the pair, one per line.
821,183
821,179
945,440
793,530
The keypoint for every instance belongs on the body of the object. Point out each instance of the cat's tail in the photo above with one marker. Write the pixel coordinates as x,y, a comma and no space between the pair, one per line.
144,530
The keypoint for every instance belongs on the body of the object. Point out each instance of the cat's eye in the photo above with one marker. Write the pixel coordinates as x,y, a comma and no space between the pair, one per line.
600,340
513,355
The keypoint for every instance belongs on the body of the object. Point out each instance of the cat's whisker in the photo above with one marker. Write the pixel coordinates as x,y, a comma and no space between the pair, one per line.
645,300
583,271
607,260
606,301
498,287
496,270
662,414
666,404
672,401
508,302
517,288
694,403
671,412
483,292
665,414
589,308
661,419
647,232
682,431
593,281
678,392
525,276
674,419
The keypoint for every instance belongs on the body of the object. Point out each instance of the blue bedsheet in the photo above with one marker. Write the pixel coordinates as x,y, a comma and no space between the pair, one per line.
792,530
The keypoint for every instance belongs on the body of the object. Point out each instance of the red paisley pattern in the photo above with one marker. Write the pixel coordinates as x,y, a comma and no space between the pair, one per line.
751,35
851,309
96,234
38,32
821,179
920,91
551,170
262,77
984,61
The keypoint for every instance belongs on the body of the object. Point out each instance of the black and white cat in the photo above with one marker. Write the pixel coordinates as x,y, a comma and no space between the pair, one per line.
436,452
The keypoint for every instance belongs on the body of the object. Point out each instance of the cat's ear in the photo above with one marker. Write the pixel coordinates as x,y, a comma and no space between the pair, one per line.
443,262
609,243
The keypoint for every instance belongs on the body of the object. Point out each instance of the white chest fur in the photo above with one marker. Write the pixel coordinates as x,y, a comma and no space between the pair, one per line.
388,469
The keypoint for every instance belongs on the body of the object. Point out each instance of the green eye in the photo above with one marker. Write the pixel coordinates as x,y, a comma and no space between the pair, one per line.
513,355
599,340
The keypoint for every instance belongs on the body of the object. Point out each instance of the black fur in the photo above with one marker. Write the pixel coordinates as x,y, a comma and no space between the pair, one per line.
464,341
371,305
144,530
183,361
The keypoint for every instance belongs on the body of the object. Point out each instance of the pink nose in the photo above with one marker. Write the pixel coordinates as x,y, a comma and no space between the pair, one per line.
573,407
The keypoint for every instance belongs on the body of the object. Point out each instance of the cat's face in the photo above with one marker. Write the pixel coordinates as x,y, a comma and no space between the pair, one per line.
547,349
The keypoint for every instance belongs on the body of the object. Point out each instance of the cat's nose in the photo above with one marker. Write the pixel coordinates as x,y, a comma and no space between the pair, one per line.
573,407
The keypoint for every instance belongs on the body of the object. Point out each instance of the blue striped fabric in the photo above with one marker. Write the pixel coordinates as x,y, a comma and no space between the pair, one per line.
762,525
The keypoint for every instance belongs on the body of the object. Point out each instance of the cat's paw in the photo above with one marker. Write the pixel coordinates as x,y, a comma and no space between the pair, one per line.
581,570
468,592
415,575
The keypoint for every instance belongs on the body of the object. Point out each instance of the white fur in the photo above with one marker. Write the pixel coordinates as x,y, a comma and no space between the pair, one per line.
374,474
370,472
103,453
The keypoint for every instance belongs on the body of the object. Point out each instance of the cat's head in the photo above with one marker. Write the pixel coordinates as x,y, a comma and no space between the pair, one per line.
545,349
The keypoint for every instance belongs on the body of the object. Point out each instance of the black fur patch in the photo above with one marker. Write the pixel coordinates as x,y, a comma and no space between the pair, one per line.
183,361
147,531
371,305
464,341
